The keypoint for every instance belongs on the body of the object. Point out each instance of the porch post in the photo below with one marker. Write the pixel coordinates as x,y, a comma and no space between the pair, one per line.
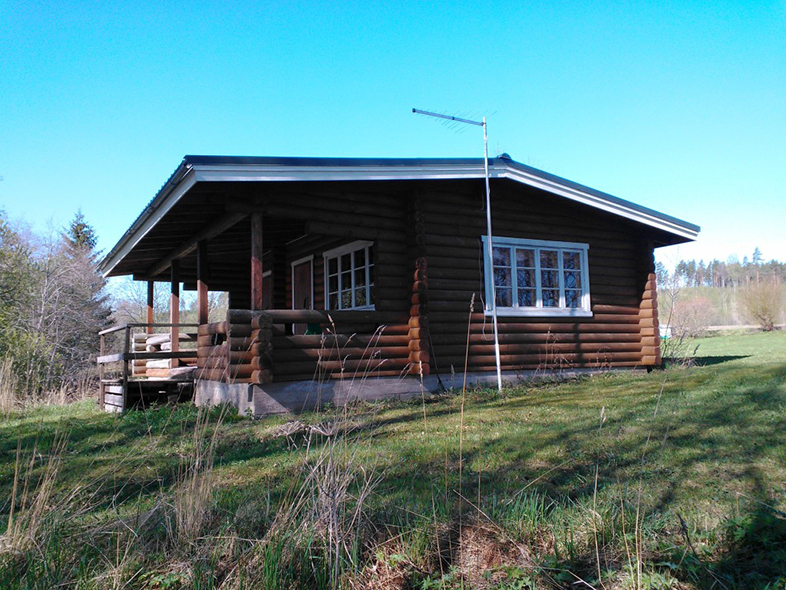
202,278
151,285
174,308
256,260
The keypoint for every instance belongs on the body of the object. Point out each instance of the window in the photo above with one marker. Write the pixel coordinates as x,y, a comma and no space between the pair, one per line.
349,276
538,278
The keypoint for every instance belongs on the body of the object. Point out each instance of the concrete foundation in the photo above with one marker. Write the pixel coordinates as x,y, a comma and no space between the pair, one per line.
297,396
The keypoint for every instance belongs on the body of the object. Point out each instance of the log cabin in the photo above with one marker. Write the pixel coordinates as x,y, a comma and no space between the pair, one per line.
366,278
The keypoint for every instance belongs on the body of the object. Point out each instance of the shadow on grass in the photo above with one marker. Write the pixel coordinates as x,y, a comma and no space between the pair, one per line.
706,361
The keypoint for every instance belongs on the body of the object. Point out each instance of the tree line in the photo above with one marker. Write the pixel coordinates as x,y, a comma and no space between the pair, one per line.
717,273
53,303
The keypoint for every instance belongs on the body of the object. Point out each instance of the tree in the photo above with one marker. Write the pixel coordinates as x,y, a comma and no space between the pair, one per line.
757,257
79,234
82,308
764,303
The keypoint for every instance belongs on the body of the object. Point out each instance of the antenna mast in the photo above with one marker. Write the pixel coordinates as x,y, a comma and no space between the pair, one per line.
489,248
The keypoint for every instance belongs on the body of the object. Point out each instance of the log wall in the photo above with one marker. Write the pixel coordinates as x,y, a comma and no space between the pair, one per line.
349,348
623,329
236,350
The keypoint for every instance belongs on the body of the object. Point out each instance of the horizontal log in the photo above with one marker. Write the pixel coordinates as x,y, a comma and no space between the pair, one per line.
419,356
114,358
262,376
508,328
242,316
358,367
283,316
437,318
512,362
293,354
341,340
544,349
534,337
262,321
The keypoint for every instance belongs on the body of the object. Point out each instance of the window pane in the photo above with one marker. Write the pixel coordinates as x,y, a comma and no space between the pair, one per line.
504,298
548,259
525,258
571,260
360,277
360,297
527,297
572,279
346,280
360,258
549,279
333,283
501,256
502,277
371,294
346,299
550,298
346,262
572,298
526,278
333,301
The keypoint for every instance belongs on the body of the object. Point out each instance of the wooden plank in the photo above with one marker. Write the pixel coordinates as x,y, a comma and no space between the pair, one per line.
127,356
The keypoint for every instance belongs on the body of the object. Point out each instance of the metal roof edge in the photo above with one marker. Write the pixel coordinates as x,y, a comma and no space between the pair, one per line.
214,168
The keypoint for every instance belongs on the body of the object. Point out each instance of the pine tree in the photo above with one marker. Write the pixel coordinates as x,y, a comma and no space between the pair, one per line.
80,234
88,310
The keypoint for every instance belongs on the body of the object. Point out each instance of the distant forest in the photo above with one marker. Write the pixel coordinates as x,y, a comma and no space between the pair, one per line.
716,273
694,296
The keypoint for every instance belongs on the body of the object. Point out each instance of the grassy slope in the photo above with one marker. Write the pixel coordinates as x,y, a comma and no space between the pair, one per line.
715,451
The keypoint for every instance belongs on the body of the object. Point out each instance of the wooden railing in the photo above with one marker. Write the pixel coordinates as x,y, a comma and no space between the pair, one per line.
130,355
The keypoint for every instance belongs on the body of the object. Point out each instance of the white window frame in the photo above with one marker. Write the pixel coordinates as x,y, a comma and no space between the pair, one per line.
538,310
350,248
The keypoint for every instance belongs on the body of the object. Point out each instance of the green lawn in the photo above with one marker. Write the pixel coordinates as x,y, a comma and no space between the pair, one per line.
583,479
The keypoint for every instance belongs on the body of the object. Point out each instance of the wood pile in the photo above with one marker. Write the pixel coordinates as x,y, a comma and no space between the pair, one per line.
160,368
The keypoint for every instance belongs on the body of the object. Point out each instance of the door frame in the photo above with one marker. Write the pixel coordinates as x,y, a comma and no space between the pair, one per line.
298,262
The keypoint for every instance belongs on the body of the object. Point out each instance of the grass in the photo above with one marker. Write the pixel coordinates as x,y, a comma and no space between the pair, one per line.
560,483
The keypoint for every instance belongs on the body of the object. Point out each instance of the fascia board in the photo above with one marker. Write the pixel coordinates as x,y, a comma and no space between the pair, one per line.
224,173
612,206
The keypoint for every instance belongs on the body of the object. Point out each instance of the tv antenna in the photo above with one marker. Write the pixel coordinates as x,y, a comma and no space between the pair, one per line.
489,248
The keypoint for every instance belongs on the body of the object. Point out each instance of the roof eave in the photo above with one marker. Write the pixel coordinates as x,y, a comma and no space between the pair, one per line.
202,169
178,184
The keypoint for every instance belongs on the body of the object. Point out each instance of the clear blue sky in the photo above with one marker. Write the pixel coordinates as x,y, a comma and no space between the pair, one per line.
679,106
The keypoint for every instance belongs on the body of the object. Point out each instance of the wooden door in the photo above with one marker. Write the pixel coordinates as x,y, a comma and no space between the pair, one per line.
302,290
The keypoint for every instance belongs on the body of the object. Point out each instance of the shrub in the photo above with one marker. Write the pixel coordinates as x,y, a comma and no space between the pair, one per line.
763,302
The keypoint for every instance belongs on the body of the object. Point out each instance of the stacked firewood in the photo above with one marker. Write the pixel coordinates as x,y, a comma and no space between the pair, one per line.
160,368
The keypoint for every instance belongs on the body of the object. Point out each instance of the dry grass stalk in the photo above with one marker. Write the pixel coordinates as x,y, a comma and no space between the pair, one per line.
192,501
32,496
8,386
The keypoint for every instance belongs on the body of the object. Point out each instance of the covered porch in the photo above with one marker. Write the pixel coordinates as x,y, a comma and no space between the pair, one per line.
325,281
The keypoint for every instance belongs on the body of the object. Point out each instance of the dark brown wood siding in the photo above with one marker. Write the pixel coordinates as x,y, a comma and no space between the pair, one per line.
376,347
623,328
